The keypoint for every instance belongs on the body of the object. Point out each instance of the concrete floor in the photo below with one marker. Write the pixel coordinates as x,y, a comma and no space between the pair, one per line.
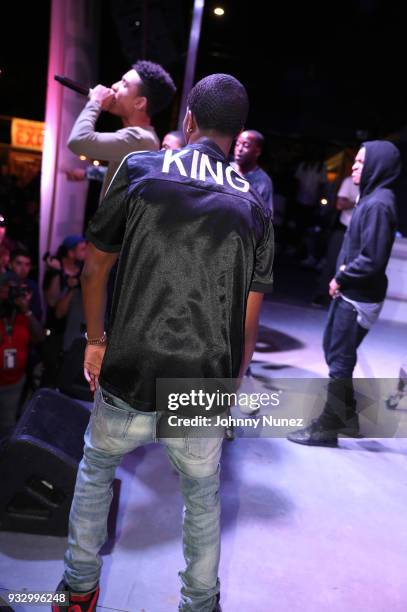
304,529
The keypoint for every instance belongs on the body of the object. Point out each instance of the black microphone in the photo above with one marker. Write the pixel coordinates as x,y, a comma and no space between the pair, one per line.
72,84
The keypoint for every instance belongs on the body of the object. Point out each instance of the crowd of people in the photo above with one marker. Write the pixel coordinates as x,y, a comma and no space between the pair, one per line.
57,305
155,202
33,337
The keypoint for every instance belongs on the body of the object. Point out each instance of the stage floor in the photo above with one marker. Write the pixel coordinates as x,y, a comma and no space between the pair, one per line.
303,529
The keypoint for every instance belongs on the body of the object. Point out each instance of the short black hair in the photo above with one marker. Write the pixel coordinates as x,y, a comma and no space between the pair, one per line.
219,102
258,137
20,252
157,85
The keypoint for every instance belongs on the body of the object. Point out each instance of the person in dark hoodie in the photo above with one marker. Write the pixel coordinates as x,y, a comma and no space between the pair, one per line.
358,288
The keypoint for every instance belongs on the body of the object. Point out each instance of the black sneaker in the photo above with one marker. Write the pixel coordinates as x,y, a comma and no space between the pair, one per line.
77,602
315,434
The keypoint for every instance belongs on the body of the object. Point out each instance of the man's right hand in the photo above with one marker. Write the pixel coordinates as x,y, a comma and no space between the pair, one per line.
103,95
334,288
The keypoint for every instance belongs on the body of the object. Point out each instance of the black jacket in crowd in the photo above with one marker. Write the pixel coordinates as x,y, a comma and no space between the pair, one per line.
369,239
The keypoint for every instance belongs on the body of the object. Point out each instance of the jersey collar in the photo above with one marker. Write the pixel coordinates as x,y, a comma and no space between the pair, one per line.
208,146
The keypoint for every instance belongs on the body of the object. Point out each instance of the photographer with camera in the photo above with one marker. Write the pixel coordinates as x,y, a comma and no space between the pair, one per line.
18,327
62,295
21,266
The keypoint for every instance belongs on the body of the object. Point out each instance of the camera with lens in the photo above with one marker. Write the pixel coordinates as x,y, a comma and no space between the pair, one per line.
11,289
16,291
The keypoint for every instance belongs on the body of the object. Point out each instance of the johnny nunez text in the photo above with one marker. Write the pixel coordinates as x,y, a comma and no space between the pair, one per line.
229,421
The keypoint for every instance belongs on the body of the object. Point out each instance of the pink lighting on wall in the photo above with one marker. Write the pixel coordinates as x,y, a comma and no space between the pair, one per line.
72,52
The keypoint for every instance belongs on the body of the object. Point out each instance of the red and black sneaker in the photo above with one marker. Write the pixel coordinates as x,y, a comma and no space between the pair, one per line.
77,602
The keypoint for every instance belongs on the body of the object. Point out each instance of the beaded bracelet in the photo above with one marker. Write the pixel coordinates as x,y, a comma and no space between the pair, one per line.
96,341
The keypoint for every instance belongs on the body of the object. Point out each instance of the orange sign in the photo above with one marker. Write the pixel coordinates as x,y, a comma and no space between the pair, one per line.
26,134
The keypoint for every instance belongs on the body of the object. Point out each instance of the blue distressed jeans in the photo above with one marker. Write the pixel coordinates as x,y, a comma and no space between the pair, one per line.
114,430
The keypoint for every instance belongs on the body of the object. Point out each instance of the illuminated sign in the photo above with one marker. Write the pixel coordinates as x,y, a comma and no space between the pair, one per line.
26,134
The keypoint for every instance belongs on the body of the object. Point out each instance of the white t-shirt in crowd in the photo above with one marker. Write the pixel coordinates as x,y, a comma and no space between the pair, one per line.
310,178
348,190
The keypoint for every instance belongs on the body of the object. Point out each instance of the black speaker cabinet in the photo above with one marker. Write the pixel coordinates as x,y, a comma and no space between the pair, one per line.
38,465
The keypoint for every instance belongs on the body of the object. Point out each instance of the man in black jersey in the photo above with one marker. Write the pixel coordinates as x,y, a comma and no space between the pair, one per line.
195,249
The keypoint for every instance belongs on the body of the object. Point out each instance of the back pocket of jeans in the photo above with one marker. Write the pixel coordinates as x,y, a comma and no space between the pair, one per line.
112,420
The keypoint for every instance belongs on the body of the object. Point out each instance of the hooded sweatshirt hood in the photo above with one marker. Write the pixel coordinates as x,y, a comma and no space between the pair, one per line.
381,167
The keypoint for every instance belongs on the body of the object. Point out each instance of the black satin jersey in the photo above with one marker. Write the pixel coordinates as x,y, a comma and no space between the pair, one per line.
194,239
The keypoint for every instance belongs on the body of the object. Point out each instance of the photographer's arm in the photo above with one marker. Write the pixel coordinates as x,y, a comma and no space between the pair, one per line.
37,331
52,291
62,305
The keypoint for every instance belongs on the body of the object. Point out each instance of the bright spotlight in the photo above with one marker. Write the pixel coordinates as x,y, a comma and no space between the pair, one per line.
219,11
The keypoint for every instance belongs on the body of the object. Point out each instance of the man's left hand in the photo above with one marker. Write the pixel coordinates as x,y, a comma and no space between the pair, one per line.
92,364
334,288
